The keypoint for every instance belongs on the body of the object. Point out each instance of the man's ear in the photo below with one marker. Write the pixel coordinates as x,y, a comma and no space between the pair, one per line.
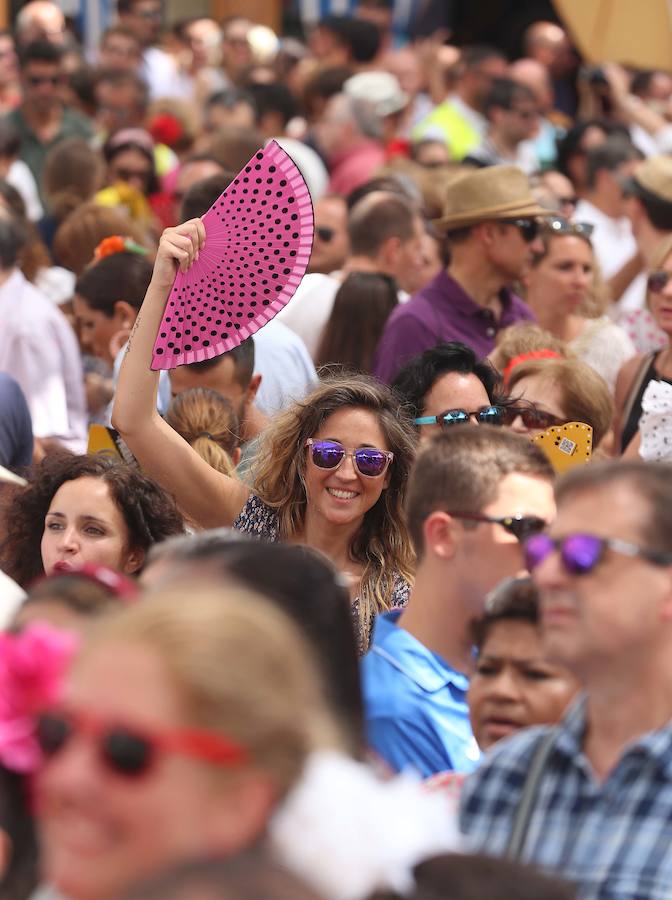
389,252
487,232
439,535
253,388
125,314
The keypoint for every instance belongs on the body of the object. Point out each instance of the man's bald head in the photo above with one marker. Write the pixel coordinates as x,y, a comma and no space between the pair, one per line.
535,76
40,20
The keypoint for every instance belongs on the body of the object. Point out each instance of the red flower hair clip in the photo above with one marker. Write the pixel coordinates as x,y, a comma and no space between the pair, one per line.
166,129
32,667
117,243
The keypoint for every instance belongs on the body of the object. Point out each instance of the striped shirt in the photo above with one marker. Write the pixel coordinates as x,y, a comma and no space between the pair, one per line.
614,839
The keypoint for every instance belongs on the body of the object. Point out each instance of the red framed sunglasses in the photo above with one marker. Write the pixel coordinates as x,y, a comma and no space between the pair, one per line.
129,751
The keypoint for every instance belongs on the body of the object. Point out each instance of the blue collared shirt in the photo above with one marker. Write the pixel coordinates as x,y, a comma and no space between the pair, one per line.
613,839
415,704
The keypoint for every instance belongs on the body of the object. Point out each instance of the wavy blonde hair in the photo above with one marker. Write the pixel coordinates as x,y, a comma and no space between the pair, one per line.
239,667
208,422
382,544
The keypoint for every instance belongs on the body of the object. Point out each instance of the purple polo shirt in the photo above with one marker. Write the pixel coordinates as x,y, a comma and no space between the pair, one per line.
442,311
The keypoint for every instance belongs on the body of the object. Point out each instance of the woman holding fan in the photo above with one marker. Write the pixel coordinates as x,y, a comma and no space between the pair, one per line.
330,473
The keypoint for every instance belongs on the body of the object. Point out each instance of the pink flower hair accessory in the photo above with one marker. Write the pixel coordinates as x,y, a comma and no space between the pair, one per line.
32,667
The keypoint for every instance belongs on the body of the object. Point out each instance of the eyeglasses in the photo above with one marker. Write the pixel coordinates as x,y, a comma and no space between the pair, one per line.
568,201
131,753
531,417
561,225
657,281
325,234
521,527
131,175
529,228
581,553
37,80
486,415
367,460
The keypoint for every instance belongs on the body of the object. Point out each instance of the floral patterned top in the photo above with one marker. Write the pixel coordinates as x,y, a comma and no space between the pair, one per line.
262,521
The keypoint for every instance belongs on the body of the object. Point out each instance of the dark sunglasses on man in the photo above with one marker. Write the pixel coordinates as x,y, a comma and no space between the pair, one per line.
529,228
520,526
326,235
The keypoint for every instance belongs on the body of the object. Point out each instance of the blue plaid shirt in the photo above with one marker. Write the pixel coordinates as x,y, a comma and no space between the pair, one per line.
613,839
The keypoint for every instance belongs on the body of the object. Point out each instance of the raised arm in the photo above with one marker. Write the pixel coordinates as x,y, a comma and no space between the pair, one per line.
206,496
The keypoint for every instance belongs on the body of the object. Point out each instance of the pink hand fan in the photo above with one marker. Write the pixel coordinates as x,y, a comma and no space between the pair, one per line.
259,234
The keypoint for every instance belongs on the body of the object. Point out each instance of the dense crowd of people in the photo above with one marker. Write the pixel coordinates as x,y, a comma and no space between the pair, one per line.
377,603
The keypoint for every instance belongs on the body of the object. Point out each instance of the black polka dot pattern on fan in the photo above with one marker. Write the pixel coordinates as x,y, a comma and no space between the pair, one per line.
259,234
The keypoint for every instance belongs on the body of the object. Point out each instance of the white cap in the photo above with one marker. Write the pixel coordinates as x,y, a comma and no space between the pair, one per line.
381,89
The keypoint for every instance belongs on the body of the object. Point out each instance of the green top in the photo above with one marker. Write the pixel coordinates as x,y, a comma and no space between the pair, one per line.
34,152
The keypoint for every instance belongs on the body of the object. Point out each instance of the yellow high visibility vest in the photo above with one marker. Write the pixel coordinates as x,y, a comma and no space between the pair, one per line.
460,136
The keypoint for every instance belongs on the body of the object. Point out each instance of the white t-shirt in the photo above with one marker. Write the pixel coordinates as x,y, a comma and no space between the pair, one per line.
605,347
39,349
286,369
21,178
308,312
614,244
11,597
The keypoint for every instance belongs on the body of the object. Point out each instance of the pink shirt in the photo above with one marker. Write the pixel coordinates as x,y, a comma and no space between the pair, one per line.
355,167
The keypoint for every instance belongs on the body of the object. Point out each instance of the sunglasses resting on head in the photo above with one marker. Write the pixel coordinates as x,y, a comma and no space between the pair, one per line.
131,752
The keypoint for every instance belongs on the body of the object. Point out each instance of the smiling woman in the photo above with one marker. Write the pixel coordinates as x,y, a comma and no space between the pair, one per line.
84,509
330,471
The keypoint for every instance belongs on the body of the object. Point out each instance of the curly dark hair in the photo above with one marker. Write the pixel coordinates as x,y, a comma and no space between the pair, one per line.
150,513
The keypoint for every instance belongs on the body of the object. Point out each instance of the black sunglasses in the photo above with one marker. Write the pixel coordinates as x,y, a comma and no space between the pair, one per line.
521,527
37,80
325,234
129,174
529,228
486,415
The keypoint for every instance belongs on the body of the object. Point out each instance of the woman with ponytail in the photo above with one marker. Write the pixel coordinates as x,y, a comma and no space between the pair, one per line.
208,423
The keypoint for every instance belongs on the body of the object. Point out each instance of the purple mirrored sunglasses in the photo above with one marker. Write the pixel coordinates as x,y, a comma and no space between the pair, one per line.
581,553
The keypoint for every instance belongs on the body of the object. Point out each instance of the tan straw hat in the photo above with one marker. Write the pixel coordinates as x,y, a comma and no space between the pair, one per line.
653,177
495,192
